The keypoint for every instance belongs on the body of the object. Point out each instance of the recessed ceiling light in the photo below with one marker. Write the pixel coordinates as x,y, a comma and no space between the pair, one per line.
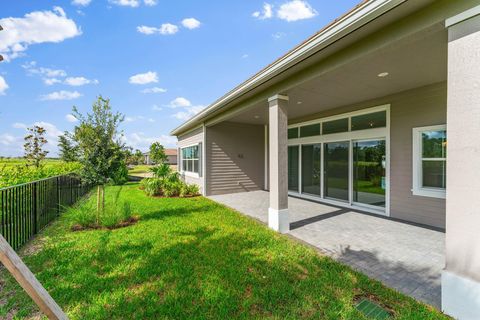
383,74
299,102
256,117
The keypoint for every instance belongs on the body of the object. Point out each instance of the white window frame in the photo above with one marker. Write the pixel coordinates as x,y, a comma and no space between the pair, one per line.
418,189
190,173
382,133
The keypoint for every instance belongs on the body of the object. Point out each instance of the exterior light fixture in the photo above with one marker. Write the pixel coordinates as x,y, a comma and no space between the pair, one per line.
383,74
299,102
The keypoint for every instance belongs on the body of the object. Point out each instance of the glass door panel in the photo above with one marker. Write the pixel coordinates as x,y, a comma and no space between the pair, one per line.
311,157
293,163
369,172
336,170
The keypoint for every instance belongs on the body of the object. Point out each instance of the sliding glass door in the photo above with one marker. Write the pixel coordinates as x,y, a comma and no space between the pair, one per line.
293,162
336,170
369,161
311,169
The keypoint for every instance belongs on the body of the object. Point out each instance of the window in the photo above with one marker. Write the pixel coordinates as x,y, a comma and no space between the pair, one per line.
335,126
310,130
190,159
430,161
293,133
369,121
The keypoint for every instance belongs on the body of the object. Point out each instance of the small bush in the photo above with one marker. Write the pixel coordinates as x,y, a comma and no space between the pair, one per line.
168,187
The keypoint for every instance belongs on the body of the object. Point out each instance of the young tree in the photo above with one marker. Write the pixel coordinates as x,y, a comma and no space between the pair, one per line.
139,157
34,143
101,153
68,150
157,153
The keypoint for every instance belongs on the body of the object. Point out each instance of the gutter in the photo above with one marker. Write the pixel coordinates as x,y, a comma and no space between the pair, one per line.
359,16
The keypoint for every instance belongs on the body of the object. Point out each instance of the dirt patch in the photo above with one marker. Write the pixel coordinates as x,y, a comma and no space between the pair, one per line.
129,222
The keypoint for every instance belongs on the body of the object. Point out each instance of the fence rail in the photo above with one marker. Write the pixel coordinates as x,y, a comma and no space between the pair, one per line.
27,208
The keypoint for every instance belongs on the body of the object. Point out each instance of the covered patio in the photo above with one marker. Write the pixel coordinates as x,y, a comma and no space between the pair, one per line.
406,257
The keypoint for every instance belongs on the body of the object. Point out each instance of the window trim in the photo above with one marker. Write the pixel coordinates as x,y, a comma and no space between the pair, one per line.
417,188
190,173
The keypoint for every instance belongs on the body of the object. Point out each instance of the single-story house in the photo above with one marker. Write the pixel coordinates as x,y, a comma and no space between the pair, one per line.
358,116
170,153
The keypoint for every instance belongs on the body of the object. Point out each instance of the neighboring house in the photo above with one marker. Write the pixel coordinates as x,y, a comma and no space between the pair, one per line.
358,116
170,153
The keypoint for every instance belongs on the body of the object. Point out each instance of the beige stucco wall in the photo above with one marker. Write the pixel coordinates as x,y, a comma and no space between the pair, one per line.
235,158
193,137
463,167
419,107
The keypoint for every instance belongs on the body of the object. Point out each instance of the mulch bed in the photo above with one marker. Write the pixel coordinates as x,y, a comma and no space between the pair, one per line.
129,222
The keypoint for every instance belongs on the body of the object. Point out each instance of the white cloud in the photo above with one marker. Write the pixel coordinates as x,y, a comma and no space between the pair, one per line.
71,118
188,110
154,90
35,27
82,3
19,125
144,78
180,102
278,35
61,95
51,81
138,118
138,140
3,86
191,23
245,56
266,13
150,3
15,143
79,81
296,10
156,108
7,139
126,3
165,29
32,69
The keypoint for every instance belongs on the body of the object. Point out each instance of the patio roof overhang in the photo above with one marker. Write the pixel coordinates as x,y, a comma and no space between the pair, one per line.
367,18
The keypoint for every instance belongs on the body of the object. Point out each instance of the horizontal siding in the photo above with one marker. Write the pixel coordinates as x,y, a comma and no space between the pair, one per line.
193,137
235,155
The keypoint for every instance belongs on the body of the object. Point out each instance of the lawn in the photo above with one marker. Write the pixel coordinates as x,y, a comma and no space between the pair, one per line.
192,259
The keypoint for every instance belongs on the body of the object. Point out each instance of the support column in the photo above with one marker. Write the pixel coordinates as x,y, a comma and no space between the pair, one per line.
461,277
278,162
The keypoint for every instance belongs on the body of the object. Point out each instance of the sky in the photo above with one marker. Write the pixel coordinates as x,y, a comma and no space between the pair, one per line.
159,62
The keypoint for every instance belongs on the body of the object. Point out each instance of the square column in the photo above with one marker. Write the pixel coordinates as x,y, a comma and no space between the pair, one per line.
278,162
461,277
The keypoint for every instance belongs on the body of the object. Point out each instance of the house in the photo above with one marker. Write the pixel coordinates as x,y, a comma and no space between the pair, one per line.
170,153
358,116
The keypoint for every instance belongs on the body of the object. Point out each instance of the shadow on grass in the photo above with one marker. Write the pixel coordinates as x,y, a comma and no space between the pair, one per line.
205,273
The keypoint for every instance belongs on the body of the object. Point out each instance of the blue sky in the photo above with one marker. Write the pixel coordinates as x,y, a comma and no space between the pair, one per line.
158,61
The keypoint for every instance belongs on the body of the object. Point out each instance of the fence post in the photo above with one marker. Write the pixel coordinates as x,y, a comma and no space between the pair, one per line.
35,207
58,196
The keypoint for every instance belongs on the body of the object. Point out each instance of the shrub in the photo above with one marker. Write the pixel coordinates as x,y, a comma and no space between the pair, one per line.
120,176
168,187
152,186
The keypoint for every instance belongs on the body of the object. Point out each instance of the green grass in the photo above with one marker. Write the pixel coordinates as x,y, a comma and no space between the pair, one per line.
193,259
11,162
140,169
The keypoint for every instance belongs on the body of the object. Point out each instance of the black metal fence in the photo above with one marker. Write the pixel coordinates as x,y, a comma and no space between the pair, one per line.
27,208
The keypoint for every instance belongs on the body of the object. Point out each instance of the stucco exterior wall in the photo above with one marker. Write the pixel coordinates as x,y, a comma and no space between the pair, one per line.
425,106
235,158
194,137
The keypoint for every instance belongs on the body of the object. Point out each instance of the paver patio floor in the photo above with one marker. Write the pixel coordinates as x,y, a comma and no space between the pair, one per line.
405,257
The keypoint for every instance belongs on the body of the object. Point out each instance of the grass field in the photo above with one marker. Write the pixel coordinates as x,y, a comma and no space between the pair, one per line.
15,170
192,259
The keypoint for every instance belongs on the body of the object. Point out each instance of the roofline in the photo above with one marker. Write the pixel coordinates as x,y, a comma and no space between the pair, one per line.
363,13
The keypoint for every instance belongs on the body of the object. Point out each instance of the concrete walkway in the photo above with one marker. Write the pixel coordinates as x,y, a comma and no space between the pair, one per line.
404,257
